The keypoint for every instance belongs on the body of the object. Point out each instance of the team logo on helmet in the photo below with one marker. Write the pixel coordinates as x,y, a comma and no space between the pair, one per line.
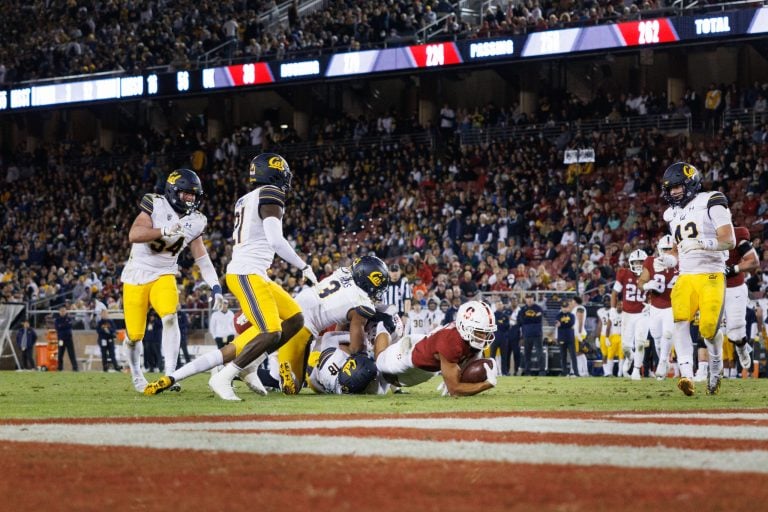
376,278
276,162
174,177
689,171
349,366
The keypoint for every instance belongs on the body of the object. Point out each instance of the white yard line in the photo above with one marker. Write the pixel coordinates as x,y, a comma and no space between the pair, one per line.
156,436
217,436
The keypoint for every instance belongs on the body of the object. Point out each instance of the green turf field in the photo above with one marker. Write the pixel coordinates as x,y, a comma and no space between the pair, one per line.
102,395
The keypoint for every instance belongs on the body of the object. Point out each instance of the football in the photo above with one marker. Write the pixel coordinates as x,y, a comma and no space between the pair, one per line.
474,371
241,323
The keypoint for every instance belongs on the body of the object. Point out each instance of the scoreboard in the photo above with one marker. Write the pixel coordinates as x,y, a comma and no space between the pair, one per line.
642,33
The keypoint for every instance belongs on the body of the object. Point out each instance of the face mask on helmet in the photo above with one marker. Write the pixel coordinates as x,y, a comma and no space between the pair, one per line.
476,324
636,260
183,181
680,184
371,275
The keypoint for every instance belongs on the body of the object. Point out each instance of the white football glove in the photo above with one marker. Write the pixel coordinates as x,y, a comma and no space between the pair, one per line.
691,244
218,298
655,286
490,374
172,230
666,261
309,275
218,302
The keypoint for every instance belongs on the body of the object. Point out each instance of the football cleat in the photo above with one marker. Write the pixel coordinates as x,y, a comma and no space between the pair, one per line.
175,388
139,383
222,387
254,383
714,387
627,365
661,370
636,374
287,379
744,357
686,386
160,385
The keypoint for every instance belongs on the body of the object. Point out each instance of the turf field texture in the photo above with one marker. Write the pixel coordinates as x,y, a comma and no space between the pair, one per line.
87,441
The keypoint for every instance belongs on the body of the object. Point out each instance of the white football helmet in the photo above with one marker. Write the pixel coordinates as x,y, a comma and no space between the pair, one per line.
665,244
476,324
636,259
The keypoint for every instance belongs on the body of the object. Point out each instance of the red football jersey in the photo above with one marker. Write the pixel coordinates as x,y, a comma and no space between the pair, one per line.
734,257
445,341
632,296
667,278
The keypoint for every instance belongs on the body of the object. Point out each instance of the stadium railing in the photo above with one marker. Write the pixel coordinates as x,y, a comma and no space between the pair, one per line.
662,122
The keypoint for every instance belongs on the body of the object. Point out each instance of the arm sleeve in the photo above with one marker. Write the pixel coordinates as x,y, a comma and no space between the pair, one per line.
207,270
720,215
273,230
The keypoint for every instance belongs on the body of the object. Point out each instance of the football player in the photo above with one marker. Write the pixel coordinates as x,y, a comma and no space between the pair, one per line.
411,361
657,278
633,330
580,312
337,372
165,226
274,315
741,259
701,224
345,297
603,324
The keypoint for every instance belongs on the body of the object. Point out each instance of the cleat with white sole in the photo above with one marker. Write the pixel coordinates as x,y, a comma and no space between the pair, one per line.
222,387
139,383
254,383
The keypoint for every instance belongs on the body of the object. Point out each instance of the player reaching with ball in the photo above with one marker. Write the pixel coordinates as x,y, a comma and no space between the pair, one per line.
447,350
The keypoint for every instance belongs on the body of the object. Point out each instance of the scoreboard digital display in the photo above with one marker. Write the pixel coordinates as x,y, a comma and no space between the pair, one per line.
630,34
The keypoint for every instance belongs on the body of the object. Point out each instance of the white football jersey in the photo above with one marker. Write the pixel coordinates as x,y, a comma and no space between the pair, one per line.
329,302
252,253
150,260
700,218
325,376
418,323
435,319
581,330
603,316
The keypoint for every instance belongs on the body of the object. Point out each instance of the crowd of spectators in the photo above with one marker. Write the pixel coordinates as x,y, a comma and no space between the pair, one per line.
41,39
507,215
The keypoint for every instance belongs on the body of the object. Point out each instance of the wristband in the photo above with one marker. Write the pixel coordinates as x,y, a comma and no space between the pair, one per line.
709,244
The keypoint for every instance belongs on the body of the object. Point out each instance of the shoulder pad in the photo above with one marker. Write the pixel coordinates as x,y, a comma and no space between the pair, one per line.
717,199
668,214
269,194
147,203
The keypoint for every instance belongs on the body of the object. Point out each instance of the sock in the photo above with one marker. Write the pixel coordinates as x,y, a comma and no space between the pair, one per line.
609,367
135,351
229,372
171,342
715,349
703,368
675,370
620,371
199,365
684,349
